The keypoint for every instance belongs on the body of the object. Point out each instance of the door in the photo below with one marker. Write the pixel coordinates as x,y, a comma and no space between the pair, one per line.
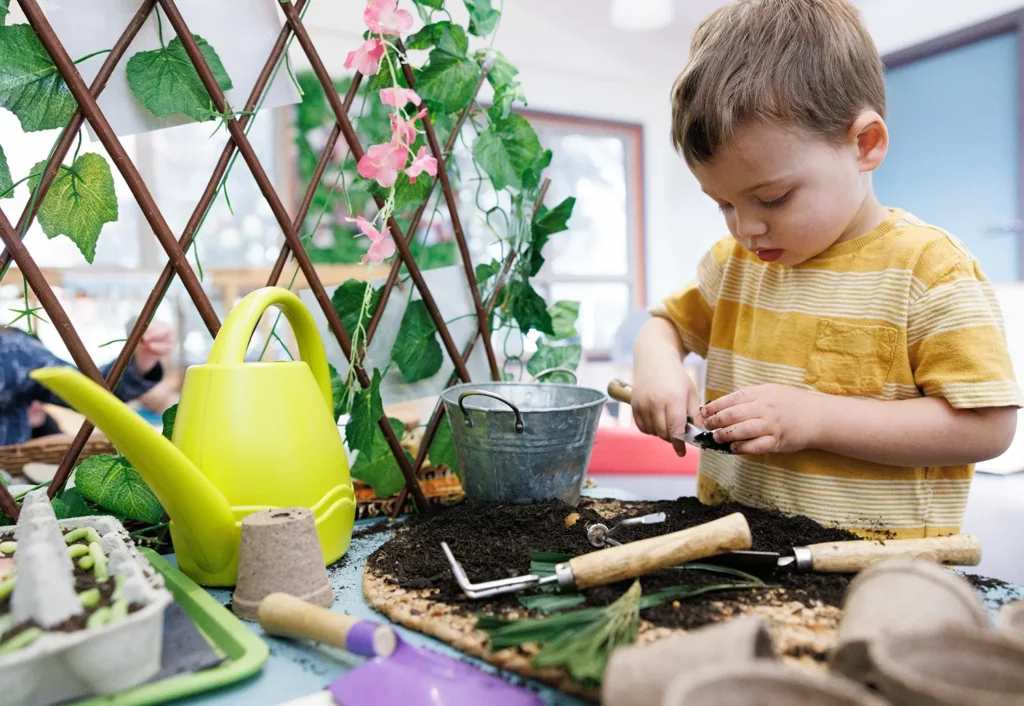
954,154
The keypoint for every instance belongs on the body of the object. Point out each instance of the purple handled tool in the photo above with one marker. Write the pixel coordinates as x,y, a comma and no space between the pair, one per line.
395,672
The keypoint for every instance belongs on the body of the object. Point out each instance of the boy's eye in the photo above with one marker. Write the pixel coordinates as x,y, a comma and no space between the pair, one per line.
776,203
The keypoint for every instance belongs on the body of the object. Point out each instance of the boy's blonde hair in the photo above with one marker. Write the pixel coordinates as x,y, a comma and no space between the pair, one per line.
806,62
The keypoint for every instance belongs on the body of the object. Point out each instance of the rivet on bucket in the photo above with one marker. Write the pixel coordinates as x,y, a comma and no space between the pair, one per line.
766,684
639,675
900,596
955,666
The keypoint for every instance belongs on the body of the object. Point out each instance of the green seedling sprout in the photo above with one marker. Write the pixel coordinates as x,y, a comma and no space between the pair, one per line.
8,548
85,563
89,598
6,586
101,616
77,550
22,639
6,623
99,567
118,610
86,533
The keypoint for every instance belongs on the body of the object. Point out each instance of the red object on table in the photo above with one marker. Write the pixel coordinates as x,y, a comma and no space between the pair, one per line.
627,450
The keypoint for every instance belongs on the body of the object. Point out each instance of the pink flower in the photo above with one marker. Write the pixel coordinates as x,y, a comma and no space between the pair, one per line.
366,59
422,162
398,97
383,162
384,17
382,245
404,131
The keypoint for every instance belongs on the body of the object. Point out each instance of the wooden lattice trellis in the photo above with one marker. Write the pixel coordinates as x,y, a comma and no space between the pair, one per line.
177,264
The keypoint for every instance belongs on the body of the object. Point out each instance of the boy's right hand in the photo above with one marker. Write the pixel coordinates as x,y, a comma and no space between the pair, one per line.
663,397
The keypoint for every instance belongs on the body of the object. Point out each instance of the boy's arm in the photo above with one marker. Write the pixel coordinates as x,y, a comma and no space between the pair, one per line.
926,431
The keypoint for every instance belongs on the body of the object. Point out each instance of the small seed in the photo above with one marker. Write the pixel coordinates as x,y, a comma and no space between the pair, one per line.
676,605
8,547
118,610
99,567
85,563
572,519
75,535
77,550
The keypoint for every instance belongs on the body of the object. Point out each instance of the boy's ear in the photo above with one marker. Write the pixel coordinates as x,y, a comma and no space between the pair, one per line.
871,138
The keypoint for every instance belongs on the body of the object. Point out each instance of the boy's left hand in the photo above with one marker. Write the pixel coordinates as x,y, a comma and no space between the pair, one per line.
157,343
763,419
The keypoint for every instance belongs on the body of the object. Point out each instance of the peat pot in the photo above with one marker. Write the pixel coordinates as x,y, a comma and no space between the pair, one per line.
523,442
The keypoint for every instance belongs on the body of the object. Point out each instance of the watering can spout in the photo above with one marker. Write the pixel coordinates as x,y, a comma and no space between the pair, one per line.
198,509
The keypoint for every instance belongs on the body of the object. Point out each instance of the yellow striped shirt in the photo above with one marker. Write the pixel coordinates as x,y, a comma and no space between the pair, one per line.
900,312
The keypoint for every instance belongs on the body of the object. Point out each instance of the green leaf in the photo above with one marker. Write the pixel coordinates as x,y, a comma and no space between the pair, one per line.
543,563
563,319
112,483
447,82
69,503
529,308
168,420
30,85
555,220
531,177
546,224
446,36
6,183
549,602
384,78
378,467
442,448
502,73
555,357
348,302
417,352
165,81
504,97
367,408
338,391
432,4
506,149
484,272
4,10
408,196
482,17
79,202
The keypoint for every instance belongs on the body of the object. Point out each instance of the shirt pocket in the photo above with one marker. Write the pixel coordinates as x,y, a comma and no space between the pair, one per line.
851,359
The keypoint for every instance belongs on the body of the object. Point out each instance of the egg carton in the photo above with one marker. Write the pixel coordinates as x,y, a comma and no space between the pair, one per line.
97,661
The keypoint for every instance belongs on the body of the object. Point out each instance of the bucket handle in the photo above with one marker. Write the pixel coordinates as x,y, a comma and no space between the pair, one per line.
230,344
520,427
549,371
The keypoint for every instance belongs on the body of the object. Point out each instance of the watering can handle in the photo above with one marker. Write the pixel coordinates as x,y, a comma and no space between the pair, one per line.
233,339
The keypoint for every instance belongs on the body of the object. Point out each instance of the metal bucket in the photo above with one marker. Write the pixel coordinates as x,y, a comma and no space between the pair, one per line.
521,442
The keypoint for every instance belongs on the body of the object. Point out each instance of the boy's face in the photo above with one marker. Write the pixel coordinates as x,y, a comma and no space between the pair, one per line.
788,195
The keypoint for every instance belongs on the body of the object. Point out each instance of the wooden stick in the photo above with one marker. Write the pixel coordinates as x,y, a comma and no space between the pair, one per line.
285,615
634,559
850,557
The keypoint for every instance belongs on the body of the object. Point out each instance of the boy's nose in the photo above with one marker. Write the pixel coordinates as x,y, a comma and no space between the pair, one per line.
748,227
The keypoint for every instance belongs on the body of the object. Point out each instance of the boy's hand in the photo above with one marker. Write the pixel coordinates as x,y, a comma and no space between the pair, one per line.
157,342
764,419
662,401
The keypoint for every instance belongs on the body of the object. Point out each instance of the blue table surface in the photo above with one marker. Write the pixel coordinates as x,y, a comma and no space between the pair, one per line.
298,668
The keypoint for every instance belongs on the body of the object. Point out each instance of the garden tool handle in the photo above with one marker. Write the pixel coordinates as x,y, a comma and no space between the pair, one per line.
634,559
285,615
233,339
620,391
853,556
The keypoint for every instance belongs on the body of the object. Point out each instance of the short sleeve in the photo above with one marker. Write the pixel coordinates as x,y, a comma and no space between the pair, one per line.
957,343
691,308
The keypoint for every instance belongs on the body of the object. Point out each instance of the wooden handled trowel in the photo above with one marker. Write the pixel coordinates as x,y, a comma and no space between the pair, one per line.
692,435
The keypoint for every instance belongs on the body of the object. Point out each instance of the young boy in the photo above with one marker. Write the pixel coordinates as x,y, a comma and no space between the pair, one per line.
856,359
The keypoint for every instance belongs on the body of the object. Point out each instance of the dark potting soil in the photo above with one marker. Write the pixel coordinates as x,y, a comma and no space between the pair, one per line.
984,583
495,540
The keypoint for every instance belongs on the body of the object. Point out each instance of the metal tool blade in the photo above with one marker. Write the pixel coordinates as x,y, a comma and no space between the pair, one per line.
703,439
